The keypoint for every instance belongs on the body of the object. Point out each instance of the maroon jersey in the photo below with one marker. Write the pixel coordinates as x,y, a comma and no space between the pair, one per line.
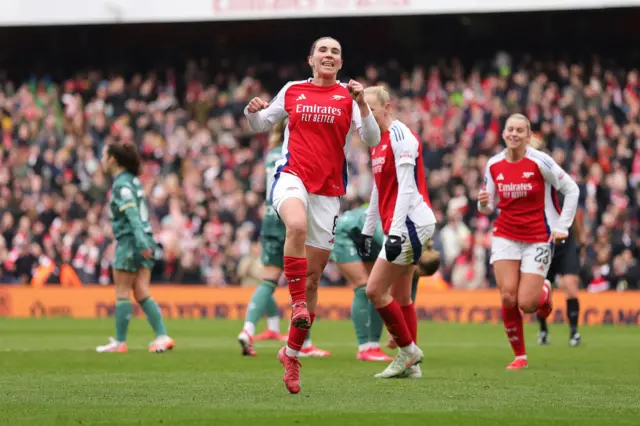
524,191
321,122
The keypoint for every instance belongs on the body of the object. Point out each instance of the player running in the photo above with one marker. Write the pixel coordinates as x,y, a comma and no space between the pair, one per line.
323,113
133,259
566,266
399,199
527,227
272,236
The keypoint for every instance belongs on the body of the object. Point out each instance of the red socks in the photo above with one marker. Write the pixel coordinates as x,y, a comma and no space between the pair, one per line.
393,318
411,319
512,319
544,298
295,269
298,336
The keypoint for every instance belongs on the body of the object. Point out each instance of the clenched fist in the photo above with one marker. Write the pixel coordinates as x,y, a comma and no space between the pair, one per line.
257,104
483,198
356,90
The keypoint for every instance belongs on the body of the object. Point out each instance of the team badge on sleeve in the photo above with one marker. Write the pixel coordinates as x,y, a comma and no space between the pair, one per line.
126,194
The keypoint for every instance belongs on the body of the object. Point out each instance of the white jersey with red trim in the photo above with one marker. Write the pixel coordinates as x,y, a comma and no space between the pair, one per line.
321,121
524,194
400,188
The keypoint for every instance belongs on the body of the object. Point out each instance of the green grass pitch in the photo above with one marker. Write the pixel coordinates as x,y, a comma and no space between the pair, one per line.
50,374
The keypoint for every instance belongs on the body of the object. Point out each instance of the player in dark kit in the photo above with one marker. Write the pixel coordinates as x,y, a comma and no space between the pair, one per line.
565,265
356,269
133,259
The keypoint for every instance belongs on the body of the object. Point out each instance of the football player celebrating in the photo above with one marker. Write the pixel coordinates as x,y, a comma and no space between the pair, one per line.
311,178
400,201
527,228
272,236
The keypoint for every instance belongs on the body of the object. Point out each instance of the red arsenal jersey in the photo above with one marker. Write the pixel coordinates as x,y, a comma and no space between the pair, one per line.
321,121
525,192
399,146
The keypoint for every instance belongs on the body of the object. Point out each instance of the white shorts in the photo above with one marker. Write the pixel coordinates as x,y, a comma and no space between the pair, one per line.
414,239
322,211
535,258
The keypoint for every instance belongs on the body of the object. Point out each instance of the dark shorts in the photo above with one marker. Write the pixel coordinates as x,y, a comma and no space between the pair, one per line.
345,250
272,235
565,260
127,256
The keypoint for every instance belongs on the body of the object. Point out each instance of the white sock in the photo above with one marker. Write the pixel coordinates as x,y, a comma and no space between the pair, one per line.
273,324
409,349
522,357
363,347
374,345
250,328
306,344
291,353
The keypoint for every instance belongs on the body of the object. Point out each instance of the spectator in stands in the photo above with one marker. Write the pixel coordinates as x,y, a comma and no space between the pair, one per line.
204,177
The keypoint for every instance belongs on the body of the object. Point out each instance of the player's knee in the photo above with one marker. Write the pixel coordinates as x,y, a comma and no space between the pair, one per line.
374,295
403,299
313,280
529,306
122,292
571,293
297,230
140,293
509,299
123,289
570,284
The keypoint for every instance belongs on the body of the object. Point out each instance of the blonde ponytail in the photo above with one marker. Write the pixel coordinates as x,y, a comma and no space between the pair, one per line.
277,134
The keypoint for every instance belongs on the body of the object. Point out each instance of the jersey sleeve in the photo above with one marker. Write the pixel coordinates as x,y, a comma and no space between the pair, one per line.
405,153
373,214
367,126
404,145
490,187
125,200
556,177
406,187
264,120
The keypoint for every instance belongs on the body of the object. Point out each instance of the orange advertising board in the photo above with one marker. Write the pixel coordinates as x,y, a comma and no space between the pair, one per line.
480,306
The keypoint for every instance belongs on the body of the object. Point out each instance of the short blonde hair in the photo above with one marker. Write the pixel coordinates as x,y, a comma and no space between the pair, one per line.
380,93
536,142
523,118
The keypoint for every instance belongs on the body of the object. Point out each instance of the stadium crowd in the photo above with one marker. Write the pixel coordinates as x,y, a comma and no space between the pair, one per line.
205,180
